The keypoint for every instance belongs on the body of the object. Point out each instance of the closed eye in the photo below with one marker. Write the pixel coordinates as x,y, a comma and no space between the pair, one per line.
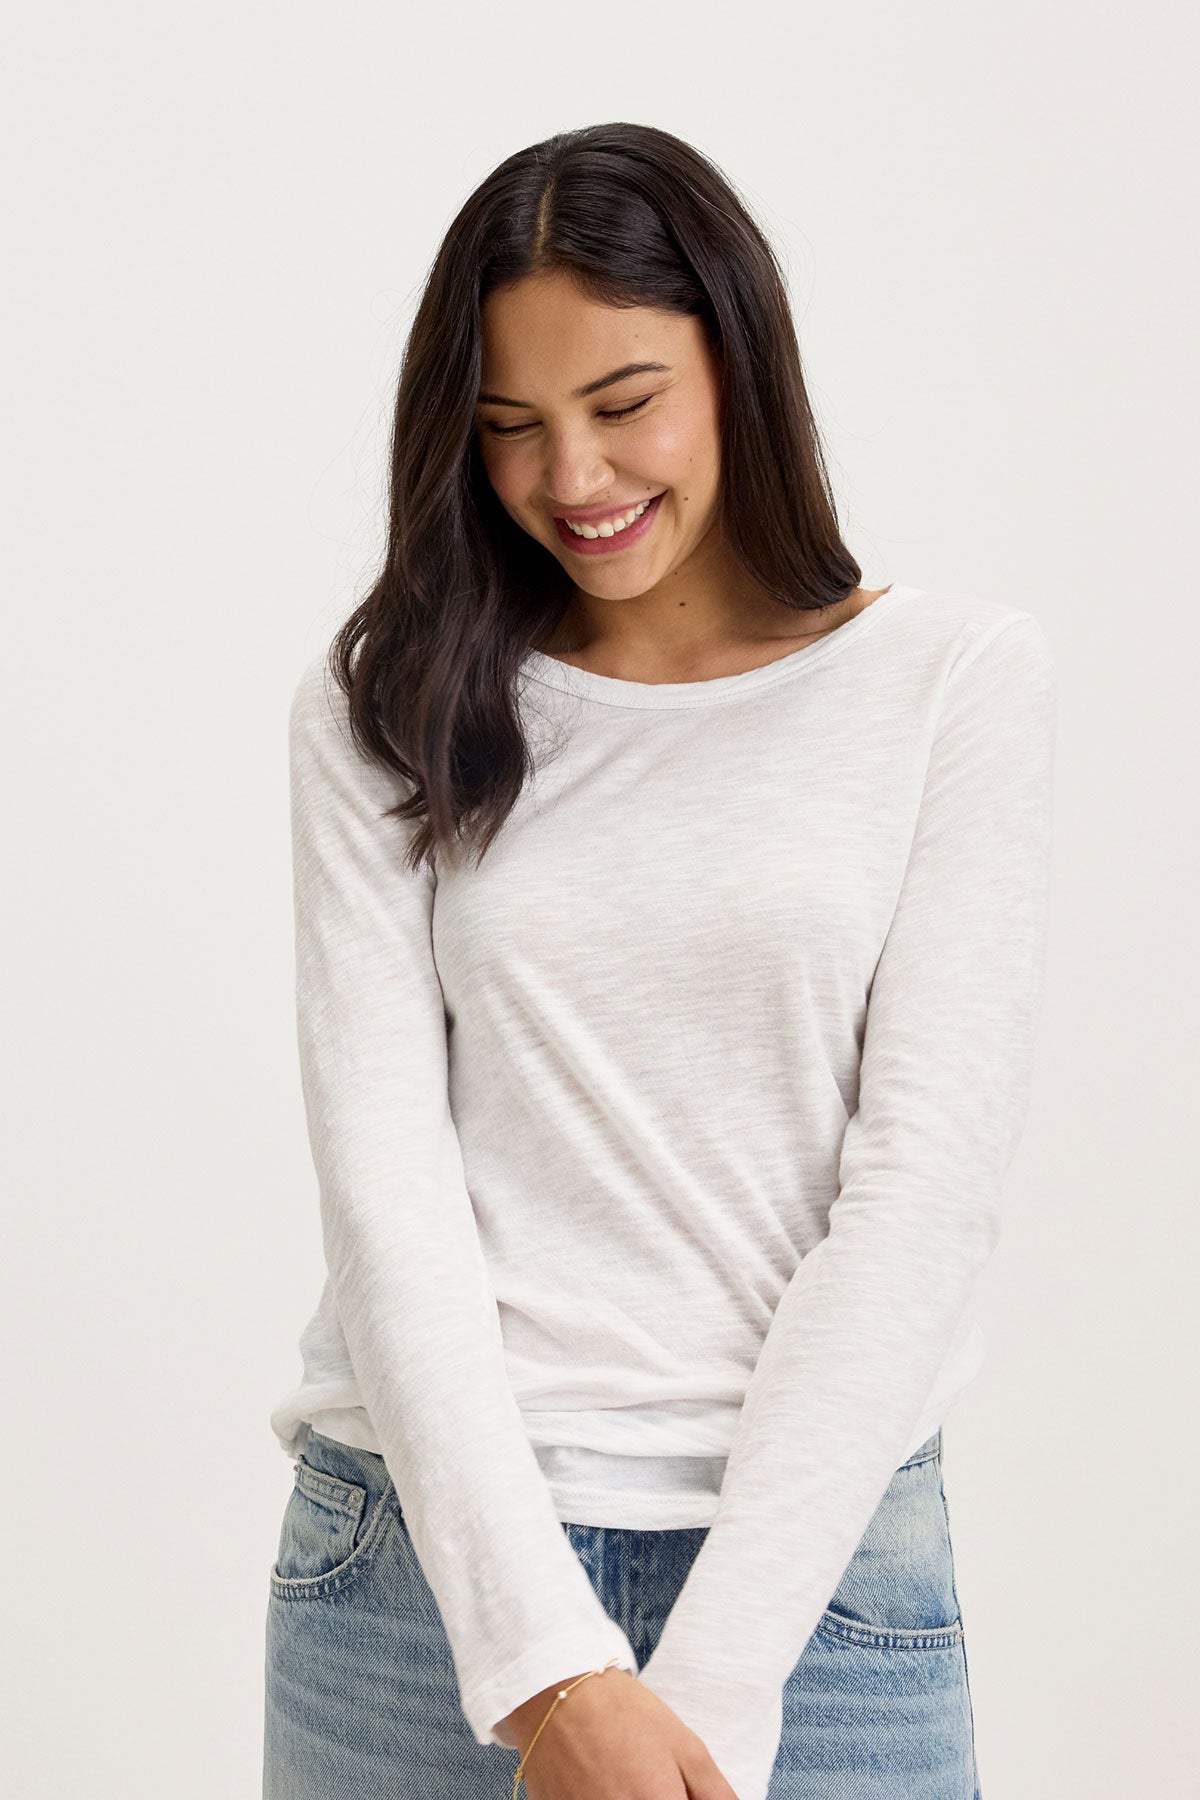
619,413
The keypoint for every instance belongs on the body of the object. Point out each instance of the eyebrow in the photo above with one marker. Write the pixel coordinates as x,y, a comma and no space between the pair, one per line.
590,387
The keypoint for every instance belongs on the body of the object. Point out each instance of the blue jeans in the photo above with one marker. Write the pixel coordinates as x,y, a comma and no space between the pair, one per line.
362,1701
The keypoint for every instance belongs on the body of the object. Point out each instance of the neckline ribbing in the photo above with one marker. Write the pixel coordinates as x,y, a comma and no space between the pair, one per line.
611,690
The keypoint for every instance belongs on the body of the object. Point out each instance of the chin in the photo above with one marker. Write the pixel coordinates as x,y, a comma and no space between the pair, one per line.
632,587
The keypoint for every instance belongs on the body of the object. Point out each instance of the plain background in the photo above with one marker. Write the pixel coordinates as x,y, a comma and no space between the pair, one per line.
218,220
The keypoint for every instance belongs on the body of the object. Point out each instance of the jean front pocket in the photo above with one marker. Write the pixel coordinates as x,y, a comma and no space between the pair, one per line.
870,1637
330,1526
898,1590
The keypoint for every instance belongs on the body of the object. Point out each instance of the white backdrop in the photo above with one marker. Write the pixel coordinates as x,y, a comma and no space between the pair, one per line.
218,220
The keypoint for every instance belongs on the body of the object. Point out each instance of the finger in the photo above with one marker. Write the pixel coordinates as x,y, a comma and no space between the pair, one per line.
704,1781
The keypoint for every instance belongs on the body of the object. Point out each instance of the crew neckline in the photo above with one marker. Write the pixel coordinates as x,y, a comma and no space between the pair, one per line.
615,691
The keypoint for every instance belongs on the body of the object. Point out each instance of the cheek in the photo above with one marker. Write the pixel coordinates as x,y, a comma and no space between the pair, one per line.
503,470
682,453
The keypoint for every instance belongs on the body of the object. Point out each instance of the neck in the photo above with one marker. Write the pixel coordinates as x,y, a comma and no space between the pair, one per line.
708,607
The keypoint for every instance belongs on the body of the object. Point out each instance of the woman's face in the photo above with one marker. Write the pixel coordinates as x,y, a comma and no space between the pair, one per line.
556,453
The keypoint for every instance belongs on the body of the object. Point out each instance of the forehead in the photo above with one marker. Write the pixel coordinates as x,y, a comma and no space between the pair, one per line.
545,332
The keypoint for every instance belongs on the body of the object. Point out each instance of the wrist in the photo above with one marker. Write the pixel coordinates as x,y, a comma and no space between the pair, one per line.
521,1723
520,1726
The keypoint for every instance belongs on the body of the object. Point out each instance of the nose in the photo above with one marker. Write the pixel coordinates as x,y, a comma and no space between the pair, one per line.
577,472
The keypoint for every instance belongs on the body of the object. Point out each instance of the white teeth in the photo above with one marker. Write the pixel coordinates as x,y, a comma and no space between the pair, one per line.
610,527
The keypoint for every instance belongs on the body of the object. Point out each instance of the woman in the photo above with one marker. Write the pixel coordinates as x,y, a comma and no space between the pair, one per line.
670,917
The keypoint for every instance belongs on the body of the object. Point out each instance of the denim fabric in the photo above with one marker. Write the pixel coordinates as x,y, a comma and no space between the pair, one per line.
361,1697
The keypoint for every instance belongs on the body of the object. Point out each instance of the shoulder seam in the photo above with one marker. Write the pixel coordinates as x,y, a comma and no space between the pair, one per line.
989,636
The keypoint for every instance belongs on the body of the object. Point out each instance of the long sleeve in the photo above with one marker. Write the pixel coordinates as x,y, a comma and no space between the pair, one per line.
404,1256
862,1327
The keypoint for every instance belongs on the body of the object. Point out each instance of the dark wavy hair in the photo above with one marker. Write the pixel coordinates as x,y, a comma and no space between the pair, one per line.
428,660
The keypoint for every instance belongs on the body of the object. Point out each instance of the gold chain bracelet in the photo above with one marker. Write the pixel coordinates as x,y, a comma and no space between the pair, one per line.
612,1663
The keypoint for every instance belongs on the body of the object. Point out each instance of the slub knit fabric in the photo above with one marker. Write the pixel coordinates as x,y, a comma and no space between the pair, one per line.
660,1152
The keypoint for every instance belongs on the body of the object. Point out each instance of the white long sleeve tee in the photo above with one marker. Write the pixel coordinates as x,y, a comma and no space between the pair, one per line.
659,1154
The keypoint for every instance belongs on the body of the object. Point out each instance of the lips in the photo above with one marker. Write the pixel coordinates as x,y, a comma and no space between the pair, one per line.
597,515
619,540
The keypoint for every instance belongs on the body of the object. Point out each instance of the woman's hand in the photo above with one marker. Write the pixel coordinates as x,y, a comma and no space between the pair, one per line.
611,1739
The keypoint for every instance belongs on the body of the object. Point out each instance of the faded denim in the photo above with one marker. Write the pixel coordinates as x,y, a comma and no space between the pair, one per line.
362,1702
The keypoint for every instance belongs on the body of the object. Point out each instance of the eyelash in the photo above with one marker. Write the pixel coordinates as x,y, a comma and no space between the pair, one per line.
619,413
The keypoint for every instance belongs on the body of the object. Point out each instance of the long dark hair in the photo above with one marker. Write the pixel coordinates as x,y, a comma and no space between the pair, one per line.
429,659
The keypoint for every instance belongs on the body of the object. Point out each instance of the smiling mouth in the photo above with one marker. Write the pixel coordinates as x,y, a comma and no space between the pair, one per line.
613,533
